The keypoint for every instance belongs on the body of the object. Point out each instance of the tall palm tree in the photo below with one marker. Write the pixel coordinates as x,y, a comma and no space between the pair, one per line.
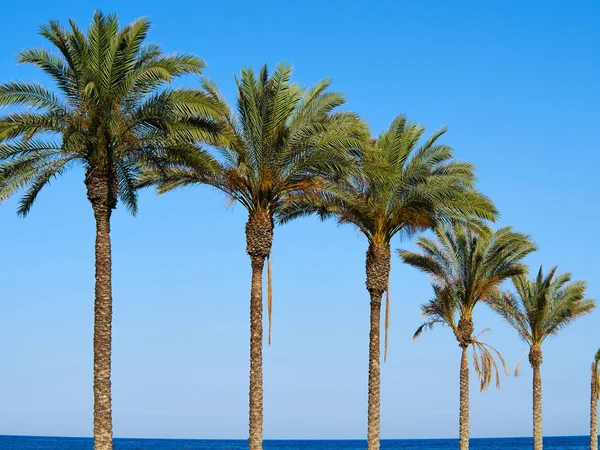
110,114
594,402
399,186
467,267
284,140
540,308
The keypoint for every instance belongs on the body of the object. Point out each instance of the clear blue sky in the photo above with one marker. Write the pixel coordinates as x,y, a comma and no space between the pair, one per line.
517,85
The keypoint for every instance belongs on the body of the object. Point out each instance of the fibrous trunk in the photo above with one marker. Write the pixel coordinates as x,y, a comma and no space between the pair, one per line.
535,358
259,238
378,272
464,400
594,410
102,196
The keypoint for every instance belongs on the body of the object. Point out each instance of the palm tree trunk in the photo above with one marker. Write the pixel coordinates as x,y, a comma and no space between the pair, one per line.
594,411
535,359
102,195
378,273
259,239
102,335
256,338
464,400
374,419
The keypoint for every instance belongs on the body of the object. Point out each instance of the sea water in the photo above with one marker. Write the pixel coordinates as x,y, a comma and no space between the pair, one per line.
66,443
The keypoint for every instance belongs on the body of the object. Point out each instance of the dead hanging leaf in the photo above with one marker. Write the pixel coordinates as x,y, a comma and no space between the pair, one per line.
269,296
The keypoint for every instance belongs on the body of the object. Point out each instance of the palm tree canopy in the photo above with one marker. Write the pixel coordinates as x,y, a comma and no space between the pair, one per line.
109,112
401,185
283,140
597,357
542,306
466,266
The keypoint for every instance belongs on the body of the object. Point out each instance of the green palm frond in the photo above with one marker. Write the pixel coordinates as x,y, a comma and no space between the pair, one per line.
398,185
108,109
281,144
468,266
542,306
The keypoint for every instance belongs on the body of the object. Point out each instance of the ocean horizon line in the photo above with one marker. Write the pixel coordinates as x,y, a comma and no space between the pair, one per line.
293,439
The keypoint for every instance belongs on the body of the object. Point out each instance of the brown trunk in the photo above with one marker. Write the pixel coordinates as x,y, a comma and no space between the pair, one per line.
256,337
378,272
535,358
102,197
259,238
374,419
464,400
594,409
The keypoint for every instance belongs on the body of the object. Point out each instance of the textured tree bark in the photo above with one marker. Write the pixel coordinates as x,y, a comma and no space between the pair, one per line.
535,358
374,418
464,400
594,410
259,239
102,196
256,335
378,272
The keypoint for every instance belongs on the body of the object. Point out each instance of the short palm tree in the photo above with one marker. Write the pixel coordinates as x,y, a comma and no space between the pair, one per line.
594,402
540,308
284,140
108,114
467,267
399,187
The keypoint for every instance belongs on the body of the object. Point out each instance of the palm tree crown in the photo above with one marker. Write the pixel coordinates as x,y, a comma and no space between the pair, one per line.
467,267
400,186
109,112
542,307
284,140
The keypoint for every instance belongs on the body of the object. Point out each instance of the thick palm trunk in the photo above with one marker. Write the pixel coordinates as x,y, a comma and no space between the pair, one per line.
535,358
378,273
101,195
464,400
259,238
594,410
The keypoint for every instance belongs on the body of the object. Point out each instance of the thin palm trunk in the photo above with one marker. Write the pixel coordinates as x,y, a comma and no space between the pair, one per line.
464,400
378,274
102,333
256,339
374,419
537,409
259,238
594,410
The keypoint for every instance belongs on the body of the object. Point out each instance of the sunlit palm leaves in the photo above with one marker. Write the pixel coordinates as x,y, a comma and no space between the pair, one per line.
109,111
467,267
542,306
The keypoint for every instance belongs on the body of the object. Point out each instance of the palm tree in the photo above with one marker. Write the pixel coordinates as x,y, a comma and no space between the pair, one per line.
467,267
594,402
541,308
402,187
284,140
110,115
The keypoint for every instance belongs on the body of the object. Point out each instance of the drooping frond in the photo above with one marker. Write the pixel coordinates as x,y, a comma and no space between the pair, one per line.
484,361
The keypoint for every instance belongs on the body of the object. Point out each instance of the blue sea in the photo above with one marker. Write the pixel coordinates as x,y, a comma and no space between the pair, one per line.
64,443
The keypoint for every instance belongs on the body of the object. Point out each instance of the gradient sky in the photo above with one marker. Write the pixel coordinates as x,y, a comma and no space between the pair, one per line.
517,85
